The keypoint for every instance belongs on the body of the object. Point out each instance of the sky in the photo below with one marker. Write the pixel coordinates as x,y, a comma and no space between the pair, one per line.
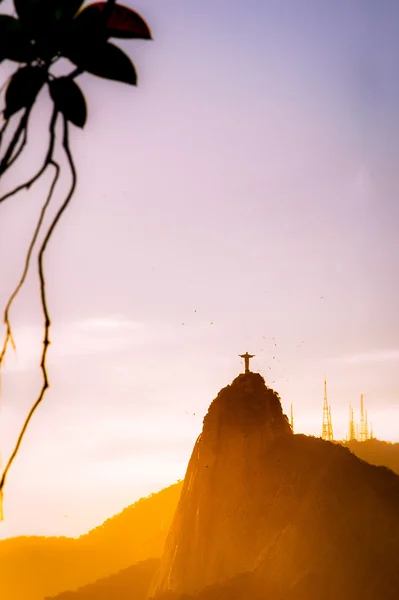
243,195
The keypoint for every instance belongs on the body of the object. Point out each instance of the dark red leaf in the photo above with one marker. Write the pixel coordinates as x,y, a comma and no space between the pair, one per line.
122,22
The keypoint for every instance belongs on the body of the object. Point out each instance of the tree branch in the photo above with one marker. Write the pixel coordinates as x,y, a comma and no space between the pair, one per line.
46,314
3,129
43,365
4,163
21,146
49,161
40,172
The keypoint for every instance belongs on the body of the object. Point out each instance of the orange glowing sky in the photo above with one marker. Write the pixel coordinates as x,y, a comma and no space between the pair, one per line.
250,182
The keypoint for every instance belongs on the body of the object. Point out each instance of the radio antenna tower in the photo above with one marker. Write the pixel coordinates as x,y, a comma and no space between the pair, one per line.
327,431
362,427
292,419
352,431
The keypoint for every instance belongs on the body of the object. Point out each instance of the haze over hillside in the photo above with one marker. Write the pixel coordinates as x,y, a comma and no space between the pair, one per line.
53,565
103,561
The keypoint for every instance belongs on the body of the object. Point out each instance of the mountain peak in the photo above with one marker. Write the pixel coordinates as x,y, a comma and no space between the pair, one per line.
242,423
291,512
245,407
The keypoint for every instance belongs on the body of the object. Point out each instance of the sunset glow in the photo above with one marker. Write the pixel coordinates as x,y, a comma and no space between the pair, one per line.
243,198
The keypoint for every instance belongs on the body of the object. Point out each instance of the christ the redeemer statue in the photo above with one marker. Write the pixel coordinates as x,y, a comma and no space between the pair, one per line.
246,358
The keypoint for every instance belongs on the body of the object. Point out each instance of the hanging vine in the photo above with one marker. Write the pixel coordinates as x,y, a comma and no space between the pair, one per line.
43,33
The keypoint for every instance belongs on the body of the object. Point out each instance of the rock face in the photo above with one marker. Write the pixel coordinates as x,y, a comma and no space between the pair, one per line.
211,537
302,518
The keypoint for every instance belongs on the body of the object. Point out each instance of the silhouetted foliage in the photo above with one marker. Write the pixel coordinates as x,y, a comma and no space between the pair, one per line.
43,33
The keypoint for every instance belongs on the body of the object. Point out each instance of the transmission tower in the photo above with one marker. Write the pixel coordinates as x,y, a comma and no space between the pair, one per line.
327,430
363,424
292,419
352,432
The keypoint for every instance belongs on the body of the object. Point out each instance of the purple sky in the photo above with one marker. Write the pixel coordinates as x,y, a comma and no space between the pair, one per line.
250,181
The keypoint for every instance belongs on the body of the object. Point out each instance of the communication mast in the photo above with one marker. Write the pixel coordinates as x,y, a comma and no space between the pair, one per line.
327,430
363,422
292,419
352,431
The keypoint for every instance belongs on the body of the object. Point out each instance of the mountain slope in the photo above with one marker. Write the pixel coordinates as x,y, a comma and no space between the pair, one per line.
128,584
376,452
303,517
52,565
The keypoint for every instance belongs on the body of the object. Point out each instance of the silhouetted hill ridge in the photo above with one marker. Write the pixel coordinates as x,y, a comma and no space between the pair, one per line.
246,428
54,564
376,452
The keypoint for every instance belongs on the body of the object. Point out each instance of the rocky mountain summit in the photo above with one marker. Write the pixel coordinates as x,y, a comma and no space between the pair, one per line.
268,514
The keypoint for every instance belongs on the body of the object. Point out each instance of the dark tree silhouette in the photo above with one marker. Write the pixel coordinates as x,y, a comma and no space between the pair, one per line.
43,33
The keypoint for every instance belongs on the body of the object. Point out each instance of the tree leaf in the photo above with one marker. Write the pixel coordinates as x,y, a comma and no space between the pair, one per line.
69,100
104,60
23,88
41,16
14,40
122,22
65,9
33,12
